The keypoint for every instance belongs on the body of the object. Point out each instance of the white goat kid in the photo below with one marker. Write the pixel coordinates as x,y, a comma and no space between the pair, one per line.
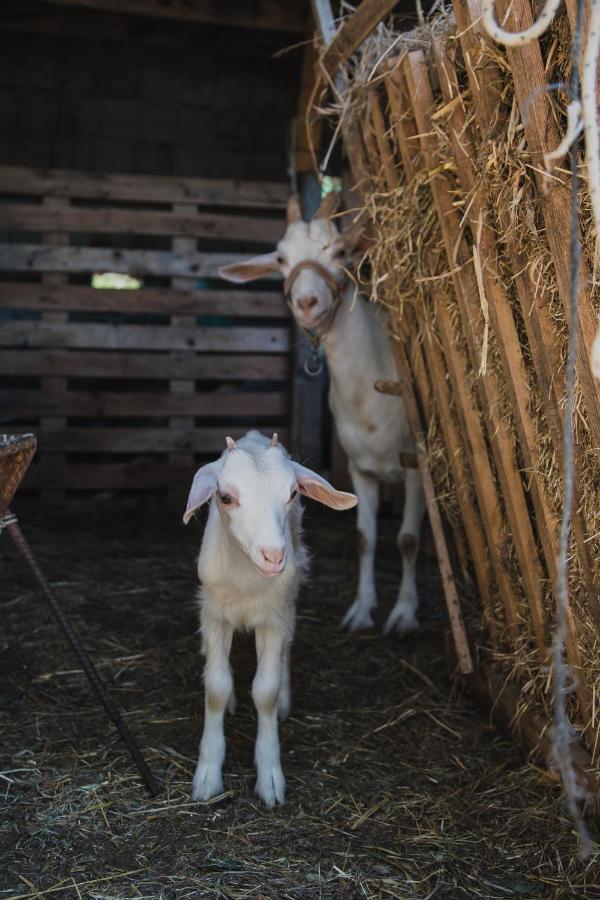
372,427
251,562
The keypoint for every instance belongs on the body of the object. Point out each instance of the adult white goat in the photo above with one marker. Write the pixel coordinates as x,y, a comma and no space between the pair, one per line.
251,562
372,427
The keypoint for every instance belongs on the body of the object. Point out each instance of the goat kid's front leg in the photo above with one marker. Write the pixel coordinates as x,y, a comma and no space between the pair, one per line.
270,649
218,691
366,487
403,617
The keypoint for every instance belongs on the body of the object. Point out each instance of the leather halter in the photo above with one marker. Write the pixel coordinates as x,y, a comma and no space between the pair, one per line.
324,322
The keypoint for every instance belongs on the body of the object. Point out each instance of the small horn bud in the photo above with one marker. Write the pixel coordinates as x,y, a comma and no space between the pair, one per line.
230,444
274,439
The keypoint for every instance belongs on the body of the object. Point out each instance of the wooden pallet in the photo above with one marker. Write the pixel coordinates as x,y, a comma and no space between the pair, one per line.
130,389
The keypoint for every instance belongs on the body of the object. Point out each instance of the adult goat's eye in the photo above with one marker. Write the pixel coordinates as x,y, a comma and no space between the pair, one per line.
226,498
293,494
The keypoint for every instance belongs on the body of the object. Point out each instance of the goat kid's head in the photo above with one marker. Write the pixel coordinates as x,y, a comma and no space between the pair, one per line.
254,493
311,294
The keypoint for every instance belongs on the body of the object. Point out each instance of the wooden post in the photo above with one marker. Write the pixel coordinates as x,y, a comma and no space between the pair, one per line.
53,384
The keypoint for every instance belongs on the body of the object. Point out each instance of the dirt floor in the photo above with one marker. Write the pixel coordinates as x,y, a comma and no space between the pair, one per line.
397,785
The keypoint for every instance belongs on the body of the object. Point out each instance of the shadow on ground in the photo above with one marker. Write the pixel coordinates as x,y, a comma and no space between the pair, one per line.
397,785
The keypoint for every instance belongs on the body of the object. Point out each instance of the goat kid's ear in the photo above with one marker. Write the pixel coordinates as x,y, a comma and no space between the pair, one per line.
203,487
317,488
250,269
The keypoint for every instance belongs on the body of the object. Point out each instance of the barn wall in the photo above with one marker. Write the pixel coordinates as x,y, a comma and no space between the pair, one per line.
125,94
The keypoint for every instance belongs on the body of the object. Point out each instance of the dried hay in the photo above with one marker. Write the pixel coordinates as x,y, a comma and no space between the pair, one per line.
408,265
398,786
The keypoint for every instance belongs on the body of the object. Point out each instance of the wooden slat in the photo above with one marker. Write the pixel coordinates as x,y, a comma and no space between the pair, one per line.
257,304
103,220
461,643
123,364
140,440
113,404
277,15
79,335
41,258
383,144
142,188
142,474
353,32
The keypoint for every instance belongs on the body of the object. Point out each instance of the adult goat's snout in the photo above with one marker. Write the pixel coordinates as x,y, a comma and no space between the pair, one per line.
305,304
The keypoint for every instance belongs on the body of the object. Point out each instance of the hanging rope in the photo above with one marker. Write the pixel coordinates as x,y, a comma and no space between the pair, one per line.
581,114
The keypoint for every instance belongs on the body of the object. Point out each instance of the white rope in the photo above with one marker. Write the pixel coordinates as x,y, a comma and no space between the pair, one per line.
517,38
579,114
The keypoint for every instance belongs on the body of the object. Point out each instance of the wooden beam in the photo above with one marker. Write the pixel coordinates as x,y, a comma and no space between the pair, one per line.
147,404
150,365
167,300
275,15
107,220
143,188
353,32
101,336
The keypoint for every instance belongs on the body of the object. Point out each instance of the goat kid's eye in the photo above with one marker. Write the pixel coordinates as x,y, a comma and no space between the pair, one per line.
293,494
226,499
280,259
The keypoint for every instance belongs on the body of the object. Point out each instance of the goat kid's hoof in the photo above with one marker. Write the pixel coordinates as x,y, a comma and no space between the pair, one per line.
270,787
401,623
357,619
207,782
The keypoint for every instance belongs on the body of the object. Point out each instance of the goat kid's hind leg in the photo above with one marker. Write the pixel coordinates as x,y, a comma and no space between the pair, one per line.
403,617
218,690
366,488
270,782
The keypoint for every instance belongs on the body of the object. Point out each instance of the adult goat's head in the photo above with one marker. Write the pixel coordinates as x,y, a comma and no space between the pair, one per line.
311,256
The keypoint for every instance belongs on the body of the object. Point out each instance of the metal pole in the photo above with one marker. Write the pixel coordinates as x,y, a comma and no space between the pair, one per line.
10,524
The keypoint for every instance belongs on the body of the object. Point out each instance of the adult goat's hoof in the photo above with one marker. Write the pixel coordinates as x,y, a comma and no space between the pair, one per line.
357,618
401,622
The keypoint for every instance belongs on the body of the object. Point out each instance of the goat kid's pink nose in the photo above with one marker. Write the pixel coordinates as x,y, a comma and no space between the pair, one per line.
307,303
273,555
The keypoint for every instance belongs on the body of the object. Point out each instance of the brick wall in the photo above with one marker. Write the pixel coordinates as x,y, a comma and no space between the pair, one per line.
165,99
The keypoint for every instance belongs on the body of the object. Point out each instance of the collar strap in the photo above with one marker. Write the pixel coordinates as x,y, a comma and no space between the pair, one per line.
330,280
325,321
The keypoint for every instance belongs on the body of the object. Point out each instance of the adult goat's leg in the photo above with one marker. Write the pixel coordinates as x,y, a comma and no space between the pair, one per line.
270,643
218,688
403,617
366,488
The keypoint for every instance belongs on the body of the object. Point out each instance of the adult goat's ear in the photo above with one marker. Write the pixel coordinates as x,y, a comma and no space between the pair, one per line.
294,210
251,269
203,487
317,488
329,205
